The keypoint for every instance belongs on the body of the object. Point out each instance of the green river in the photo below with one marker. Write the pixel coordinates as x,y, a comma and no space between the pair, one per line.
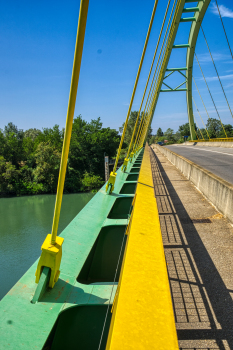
24,224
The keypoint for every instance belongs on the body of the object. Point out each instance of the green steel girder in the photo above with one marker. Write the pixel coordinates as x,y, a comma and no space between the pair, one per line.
173,70
188,19
88,279
191,9
173,90
180,46
195,27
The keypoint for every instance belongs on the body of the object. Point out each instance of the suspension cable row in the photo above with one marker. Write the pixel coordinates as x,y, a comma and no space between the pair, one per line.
152,91
144,114
224,28
210,95
198,127
149,75
204,105
111,181
201,118
152,83
217,72
159,77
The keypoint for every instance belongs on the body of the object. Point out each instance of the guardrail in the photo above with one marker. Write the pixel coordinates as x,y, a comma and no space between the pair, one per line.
228,139
215,189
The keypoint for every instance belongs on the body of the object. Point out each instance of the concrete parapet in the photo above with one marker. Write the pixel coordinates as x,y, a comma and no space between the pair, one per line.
217,191
209,144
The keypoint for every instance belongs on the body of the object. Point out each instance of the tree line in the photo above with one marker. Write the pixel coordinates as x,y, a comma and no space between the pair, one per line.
214,129
30,160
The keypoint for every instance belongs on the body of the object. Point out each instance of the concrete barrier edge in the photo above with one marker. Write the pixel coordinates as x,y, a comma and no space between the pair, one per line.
218,191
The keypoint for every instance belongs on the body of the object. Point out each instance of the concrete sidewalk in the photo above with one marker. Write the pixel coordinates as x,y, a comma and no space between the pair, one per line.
198,244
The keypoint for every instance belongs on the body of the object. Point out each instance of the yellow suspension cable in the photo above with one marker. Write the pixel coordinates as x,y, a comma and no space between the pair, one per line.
210,94
70,113
150,94
217,72
224,29
135,126
198,127
201,118
154,91
204,106
52,247
111,181
196,134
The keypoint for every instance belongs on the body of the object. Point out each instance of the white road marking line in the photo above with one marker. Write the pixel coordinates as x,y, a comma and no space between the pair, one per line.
207,150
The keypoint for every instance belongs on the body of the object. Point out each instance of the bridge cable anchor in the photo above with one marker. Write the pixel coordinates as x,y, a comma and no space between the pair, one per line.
124,166
111,182
50,257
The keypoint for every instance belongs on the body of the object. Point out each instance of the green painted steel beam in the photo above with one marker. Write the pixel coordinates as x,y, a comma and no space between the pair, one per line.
188,19
180,46
169,87
173,90
168,75
176,88
89,258
182,74
175,69
194,30
191,9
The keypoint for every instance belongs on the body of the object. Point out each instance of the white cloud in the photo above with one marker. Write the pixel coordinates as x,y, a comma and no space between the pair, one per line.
215,78
225,12
229,85
217,56
222,77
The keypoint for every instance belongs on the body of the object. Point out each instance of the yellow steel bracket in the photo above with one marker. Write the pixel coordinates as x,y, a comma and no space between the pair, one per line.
124,167
50,257
111,182
131,156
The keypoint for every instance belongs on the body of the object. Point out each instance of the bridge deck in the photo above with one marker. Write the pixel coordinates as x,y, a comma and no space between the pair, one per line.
218,160
198,245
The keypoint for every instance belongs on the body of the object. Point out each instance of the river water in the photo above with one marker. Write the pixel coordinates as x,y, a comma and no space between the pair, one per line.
24,224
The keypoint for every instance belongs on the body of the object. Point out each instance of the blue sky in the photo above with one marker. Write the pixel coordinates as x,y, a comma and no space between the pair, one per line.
37,45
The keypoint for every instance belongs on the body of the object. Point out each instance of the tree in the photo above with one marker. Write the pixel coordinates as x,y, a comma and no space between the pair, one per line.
91,182
13,150
89,142
130,127
159,132
184,130
30,160
47,166
153,139
53,135
8,177
214,127
32,133
229,131
169,134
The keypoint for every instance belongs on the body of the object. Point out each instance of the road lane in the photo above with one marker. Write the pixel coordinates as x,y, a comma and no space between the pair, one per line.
218,160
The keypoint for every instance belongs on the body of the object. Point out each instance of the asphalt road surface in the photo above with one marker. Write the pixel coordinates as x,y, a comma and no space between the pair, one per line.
218,160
